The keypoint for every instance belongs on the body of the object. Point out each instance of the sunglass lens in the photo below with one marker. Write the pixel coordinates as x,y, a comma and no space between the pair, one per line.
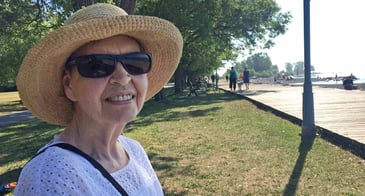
137,63
100,65
96,67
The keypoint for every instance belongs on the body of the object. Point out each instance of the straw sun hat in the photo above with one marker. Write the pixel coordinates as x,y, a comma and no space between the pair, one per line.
39,79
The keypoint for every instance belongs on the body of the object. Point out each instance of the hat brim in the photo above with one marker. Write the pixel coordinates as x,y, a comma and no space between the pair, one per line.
39,79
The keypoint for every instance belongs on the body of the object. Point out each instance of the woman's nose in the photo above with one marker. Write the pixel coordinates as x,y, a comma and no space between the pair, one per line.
120,75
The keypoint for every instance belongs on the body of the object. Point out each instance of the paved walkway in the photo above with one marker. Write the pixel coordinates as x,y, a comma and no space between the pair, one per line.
340,113
15,117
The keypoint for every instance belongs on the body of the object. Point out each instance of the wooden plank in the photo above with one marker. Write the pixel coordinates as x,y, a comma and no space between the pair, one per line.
340,111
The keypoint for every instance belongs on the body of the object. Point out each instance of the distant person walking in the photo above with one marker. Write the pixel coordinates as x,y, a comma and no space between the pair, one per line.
246,78
232,79
348,83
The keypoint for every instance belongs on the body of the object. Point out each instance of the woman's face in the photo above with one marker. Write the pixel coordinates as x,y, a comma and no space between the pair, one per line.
114,99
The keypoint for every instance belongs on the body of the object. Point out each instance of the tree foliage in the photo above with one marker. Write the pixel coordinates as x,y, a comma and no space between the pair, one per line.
22,24
259,65
296,68
289,69
299,68
259,62
213,31
275,70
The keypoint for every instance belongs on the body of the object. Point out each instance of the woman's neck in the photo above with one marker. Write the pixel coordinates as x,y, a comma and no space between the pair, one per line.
101,143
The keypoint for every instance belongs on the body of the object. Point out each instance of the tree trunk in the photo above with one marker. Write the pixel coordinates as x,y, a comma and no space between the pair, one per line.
160,97
180,82
128,5
79,3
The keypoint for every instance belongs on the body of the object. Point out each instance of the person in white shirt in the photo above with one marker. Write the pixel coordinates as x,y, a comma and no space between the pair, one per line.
92,76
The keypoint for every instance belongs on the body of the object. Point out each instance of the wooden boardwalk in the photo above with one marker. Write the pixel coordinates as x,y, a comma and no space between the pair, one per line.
337,110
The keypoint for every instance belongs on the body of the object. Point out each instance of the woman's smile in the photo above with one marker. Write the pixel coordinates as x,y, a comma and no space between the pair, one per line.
120,98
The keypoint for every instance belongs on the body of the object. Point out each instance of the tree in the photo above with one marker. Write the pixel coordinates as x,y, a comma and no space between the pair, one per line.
81,3
259,62
289,69
239,66
299,68
260,65
275,70
214,31
17,23
128,5
22,24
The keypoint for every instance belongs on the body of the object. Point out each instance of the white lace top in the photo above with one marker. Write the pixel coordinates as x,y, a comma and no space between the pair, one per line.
61,172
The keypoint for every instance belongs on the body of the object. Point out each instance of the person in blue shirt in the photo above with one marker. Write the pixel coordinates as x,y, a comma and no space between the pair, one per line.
232,79
246,78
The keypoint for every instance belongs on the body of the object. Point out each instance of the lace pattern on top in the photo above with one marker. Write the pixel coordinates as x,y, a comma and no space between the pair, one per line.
61,172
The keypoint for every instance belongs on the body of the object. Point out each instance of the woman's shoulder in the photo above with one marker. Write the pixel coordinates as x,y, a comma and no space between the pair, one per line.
57,160
131,145
139,176
136,152
51,169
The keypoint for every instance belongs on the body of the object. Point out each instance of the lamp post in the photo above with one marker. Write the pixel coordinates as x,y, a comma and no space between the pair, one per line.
308,126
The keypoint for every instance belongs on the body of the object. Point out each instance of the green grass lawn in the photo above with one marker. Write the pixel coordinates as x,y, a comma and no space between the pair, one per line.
10,102
216,144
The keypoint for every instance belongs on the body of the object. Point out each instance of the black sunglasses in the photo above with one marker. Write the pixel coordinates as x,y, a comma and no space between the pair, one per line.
102,65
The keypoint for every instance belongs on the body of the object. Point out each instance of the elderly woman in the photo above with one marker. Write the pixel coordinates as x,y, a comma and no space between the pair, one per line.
93,76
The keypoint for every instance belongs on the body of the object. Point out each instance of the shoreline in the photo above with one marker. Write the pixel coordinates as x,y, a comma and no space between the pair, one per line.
299,82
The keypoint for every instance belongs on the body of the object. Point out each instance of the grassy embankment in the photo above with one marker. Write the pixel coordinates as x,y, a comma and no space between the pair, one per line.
217,144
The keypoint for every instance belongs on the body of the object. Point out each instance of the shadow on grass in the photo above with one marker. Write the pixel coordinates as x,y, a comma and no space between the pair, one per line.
15,117
10,176
20,142
162,163
304,147
167,165
162,112
12,106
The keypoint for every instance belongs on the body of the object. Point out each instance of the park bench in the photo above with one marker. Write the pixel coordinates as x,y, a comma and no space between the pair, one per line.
200,87
192,89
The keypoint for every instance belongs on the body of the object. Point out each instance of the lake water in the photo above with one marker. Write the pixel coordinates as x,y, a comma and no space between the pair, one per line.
358,81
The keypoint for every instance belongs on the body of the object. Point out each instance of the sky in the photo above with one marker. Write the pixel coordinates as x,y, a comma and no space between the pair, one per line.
336,32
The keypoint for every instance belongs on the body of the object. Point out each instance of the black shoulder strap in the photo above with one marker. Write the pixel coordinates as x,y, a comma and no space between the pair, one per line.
97,165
